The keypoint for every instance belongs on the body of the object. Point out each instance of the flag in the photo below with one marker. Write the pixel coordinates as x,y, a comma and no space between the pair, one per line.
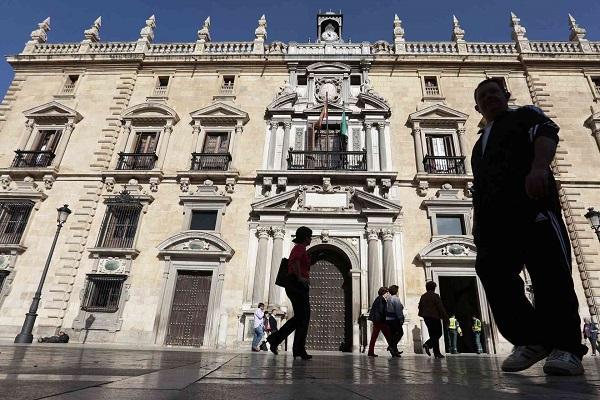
323,116
344,125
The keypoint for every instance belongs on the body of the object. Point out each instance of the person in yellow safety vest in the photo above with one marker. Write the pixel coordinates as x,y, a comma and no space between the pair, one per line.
455,331
477,333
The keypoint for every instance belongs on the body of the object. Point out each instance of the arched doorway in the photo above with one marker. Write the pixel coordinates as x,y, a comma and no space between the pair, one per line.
330,300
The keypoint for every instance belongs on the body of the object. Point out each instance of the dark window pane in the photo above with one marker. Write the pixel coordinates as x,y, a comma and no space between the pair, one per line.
450,225
355,80
119,226
13,220
102,293
203,220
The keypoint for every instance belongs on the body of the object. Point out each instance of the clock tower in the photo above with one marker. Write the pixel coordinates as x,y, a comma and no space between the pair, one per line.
329,27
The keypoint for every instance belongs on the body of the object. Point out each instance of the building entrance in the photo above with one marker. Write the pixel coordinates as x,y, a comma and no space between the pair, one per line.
460,296
187,321
330,302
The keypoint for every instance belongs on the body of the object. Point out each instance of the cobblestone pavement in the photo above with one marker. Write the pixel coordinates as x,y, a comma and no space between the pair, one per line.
86,372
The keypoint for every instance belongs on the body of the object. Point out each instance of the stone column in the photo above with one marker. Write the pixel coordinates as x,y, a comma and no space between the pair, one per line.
260,270
274,291
383,161
197,137
287,126
389,265
232,143
464,151
369,145
272,143
163,144
416,132
374,265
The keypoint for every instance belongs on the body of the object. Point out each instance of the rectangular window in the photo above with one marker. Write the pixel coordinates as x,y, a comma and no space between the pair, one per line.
355,80
162,83
13,220
450,225
103,292
203,220
70,83
146,142
431,86
228,83
216,142
440,145
119,226
596,82
47,140
302,81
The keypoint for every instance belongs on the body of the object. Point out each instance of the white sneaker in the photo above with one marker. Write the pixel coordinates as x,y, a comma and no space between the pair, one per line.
561,362
524,357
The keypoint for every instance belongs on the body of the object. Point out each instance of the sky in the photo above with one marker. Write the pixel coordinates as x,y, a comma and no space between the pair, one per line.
287,20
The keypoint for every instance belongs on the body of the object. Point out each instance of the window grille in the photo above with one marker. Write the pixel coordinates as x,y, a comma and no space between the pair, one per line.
13,220
103,292
120,223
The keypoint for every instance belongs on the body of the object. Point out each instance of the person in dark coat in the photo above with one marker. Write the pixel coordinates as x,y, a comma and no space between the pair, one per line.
273,322
377,315
60,338
433,312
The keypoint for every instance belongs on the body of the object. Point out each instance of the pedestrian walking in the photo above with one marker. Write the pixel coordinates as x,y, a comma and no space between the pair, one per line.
590,332
433,312
259,326
297,289
273,321
476,327
454,331
394,318
377,315
515,196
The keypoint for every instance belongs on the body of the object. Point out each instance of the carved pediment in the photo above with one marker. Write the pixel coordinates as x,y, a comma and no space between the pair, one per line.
324,68
283,103
369,203
451,249
280,203
53,110
370,102
150,112
196,244
220,113
437,113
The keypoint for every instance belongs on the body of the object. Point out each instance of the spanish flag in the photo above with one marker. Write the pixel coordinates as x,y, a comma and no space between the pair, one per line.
323,116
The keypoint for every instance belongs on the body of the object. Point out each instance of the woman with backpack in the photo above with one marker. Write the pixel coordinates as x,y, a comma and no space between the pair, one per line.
377,315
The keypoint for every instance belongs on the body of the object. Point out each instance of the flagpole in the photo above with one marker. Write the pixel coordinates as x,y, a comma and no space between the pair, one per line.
326,123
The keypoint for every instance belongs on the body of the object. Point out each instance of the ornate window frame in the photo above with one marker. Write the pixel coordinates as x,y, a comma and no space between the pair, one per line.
207,198
423,75
448,201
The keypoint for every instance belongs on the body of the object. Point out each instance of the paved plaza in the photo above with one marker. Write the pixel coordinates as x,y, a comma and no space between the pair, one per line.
78,372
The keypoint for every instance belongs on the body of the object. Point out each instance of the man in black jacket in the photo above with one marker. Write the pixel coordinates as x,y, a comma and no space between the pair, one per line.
517,222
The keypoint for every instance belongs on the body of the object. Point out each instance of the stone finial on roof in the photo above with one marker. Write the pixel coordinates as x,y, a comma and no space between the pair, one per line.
518,30
398,30
458,34
261,31
576,32
92,35
147,32
204,32
40,35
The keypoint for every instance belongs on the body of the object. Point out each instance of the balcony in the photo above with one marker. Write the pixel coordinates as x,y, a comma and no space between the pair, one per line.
227,89
327,160
432,91
160,91
136,161
210,161
32,159
444,165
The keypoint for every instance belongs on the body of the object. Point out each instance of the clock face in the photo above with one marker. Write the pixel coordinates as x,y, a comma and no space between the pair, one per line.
329,35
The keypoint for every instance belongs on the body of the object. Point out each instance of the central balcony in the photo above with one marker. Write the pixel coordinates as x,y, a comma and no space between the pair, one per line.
327,160
210,161
136,161
445,165
32,159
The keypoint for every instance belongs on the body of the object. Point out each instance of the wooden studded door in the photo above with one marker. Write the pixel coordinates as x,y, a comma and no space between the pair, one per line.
328,307
189,308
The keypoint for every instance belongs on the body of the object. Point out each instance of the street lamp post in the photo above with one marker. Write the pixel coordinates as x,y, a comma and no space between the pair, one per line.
26,336
593,217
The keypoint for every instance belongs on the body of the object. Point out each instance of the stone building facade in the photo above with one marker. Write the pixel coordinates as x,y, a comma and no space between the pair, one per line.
189,166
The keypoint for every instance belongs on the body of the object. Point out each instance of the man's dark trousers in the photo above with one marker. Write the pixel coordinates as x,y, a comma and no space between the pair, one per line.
542,245
396,331
298,296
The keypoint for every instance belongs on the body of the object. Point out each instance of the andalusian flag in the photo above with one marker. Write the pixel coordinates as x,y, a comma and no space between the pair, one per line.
344,126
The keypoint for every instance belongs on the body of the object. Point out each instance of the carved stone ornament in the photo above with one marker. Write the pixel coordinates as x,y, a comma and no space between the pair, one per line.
519,30
422,188
5,181
327,187
154,184
267,185
92,35
455,250
204,32
576,32
286,89
109,184
458,34
196,244
261,31
324,236
112,265
386,184
371,183
147,32
48,181
184,184
4,261
278,232
230,185
398,30
40,35
330,87
373,234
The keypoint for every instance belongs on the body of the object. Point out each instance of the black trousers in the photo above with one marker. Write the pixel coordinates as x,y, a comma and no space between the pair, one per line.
434,326
298,295
543,247
396,331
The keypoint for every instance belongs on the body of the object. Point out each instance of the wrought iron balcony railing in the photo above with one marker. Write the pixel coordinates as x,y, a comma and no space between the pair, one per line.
210,161
444,165
35,159
327,160
136,161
